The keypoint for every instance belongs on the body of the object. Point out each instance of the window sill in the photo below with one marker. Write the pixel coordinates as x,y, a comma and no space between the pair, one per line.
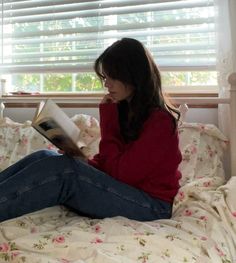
200,100
64,100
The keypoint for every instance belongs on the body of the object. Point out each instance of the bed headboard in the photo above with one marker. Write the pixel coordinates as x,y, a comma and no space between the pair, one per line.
232,82
2,107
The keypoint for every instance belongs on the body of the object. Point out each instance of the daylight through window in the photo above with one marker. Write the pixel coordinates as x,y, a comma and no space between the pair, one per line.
50,46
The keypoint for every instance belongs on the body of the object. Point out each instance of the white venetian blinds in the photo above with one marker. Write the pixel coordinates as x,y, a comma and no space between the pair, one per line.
67,35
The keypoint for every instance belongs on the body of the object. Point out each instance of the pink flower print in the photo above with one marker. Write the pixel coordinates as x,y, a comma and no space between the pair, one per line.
97,228
234,213
188,212
50,146
181,195
97,240
63,260
4,247
201,127
199,177
58,239
203,238
15,254
207,184
17,129
193,149
24,140
210,151
219,251
33,230
204,218
226,143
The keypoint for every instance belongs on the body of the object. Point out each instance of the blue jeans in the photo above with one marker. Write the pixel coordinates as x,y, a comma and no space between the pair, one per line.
45,178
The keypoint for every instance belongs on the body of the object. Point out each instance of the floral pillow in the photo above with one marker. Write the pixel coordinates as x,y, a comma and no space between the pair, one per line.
202,147
20,139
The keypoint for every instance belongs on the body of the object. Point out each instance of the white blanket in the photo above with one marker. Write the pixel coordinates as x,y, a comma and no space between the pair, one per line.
202,229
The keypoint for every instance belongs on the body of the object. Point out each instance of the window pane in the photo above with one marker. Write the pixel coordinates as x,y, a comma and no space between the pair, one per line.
57,83
197,78
23,82
172,81
82,82
88,82
195,81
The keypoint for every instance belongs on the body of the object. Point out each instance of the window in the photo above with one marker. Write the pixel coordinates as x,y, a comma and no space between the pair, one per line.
50,46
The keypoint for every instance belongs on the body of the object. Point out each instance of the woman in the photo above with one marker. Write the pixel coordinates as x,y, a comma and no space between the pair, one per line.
135,174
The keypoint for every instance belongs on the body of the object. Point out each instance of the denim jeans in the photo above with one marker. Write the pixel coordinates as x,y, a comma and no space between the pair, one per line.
45,178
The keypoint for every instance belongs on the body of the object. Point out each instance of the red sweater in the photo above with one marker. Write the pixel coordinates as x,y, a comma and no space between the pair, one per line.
149,163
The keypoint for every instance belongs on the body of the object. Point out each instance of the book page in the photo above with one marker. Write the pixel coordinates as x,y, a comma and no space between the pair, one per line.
38,110
57,127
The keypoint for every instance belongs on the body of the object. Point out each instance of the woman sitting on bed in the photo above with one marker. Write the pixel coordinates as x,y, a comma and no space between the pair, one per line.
135,174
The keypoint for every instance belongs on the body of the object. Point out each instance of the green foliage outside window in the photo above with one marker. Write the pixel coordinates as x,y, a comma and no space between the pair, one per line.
88,82
57,83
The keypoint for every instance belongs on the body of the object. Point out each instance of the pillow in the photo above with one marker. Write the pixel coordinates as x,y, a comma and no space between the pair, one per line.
17,140
90,132
202,147
20,139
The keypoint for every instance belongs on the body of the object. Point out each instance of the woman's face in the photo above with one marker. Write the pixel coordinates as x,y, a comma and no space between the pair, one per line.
117,89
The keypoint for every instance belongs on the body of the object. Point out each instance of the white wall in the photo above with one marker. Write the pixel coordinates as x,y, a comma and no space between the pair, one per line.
202,116
23,114
193,114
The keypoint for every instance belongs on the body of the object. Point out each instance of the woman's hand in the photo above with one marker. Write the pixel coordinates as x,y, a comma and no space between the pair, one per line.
108,99
61,151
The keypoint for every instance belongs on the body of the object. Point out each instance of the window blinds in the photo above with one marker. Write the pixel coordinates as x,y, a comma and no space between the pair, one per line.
39,36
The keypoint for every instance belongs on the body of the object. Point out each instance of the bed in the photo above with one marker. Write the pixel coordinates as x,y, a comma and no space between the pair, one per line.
201,230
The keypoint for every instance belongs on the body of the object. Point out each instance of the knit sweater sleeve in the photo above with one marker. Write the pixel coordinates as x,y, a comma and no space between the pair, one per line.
132,163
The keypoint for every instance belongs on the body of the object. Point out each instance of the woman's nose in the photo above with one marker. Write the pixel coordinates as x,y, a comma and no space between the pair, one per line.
107,83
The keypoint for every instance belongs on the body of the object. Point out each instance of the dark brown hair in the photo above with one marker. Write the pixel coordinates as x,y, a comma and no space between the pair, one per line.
128,61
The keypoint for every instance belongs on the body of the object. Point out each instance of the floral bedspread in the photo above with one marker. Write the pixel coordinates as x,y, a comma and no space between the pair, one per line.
202,229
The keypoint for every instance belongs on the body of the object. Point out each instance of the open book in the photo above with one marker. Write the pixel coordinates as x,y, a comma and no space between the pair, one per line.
58,128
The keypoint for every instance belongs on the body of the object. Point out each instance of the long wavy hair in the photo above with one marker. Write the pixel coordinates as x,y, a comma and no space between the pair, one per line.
128,61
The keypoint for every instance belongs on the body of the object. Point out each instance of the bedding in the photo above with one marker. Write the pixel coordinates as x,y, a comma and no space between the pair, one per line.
202,228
